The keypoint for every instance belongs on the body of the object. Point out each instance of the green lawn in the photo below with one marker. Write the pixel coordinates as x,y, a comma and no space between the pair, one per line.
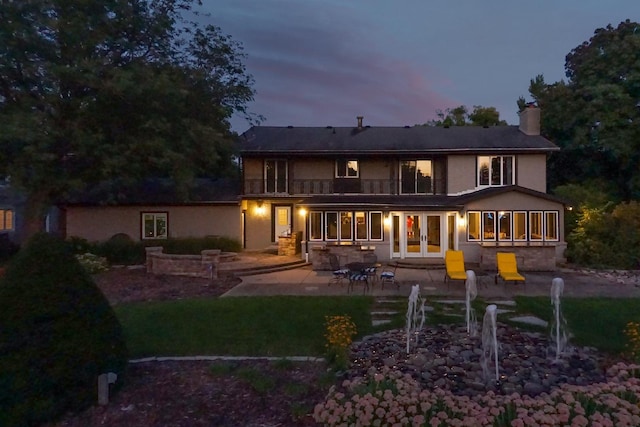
295,326
595,322
269,326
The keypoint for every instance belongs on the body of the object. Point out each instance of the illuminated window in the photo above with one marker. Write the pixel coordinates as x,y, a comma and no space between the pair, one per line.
535,226
346,226
154,225
551,225
488,225
504,225
519,226
6,219
473,226
347,169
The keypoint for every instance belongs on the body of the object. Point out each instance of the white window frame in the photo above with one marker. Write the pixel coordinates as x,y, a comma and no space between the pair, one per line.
516,238
541,215
276,182
482,223
345,228
415,177
327,223
489,160
546,225
347,170
317,215
371,214
478,224
155,216
499,216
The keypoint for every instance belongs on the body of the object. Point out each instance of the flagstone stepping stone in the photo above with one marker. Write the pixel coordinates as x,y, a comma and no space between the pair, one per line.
531,320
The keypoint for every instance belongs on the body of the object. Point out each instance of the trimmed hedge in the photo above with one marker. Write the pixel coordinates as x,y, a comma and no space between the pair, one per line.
121,249
57,334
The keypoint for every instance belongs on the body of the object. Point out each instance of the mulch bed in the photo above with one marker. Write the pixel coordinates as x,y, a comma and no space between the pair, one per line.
201,393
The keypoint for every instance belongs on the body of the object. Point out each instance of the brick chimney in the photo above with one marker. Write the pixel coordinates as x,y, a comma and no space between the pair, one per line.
360,121
530,120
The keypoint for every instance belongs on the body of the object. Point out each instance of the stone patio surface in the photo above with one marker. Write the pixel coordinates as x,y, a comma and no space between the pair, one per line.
305,281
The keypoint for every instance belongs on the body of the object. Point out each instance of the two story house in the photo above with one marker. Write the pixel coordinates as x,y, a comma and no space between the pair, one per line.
403,192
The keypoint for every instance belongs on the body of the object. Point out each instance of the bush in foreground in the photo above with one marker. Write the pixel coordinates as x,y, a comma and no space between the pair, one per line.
57,334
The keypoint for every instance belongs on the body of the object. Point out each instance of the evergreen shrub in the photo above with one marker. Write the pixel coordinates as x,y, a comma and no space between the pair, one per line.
57,334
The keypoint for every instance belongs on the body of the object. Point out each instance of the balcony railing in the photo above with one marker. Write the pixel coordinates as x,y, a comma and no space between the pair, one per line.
307,187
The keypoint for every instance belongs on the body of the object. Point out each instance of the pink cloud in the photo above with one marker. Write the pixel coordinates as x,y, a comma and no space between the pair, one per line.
316,69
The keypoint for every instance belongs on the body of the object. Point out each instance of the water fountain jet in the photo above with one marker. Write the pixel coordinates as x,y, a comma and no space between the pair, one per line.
490,342
415,315
559,336
472,292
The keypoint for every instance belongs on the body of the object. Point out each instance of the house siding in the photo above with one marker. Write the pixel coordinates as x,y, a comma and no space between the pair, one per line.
101,223
461,173
512,201
531,171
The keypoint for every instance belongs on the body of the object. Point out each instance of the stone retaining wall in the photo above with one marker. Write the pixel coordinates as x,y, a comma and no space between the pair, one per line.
203,265
529,258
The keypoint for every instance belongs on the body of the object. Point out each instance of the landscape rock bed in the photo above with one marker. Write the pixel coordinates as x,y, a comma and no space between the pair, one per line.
446,357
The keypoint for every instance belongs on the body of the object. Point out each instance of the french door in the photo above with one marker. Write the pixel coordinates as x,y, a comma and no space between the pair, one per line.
423,235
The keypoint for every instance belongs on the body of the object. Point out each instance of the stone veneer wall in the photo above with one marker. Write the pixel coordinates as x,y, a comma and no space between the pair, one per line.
319,256
289,245
203,265
529,258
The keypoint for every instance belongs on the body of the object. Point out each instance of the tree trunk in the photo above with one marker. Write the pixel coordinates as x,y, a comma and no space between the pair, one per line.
35,211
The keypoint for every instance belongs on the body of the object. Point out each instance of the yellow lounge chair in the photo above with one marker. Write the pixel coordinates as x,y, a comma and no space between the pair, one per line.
454,263
508,268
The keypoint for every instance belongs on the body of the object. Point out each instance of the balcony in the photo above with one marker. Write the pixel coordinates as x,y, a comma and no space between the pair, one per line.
310,187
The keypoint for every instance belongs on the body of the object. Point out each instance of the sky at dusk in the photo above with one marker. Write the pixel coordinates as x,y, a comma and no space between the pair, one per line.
395,62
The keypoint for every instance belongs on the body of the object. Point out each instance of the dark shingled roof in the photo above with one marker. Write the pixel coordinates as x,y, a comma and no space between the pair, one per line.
436,202
270,140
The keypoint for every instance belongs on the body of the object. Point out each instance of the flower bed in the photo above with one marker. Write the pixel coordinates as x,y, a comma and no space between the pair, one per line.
393,398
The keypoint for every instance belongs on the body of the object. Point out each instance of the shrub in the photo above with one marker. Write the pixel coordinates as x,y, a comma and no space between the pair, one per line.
121,249
92,263
195,245
7,248
57,334
606,236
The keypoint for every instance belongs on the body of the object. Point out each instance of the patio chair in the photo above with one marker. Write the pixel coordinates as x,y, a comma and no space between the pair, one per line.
372,270
388,275
356,277
508,268
339,273
454,264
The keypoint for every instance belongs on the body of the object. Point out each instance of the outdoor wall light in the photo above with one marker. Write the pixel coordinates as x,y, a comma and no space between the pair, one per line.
260,209
302,212
462,220
387,220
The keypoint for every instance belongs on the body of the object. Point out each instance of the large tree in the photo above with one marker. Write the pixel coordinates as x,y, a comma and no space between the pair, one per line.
94,91
594,116
460,116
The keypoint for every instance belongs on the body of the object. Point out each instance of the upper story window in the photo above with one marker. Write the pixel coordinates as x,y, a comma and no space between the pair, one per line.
496,170
6,219
416,177
154,225
347,169
275,176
